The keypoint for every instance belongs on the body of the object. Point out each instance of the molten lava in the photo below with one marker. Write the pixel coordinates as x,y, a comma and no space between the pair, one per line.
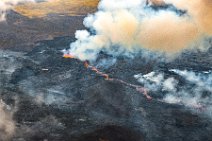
86,64
138,88
68,56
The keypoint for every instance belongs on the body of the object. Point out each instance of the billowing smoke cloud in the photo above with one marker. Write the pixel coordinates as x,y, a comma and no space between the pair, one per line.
121,27
7,125
199,10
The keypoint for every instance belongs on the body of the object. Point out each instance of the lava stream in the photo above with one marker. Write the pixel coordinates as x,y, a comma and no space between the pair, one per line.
138,88
106,76
68,56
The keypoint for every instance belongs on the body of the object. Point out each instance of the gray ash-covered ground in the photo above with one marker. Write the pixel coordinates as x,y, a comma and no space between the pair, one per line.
20,33
50,98
58,99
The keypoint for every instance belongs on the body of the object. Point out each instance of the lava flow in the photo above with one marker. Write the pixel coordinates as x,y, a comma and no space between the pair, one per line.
138,88
68,56
106,76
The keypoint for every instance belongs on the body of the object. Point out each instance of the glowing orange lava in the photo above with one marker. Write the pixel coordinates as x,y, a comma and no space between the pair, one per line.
86,64
68,56
138,88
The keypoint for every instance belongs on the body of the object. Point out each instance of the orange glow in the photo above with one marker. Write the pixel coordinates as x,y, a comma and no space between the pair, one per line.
68,56
86,64
106,76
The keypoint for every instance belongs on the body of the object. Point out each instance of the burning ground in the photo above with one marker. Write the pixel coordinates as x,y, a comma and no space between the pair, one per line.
45,96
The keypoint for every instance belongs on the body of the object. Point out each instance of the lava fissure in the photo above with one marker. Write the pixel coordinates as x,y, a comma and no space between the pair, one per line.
138,88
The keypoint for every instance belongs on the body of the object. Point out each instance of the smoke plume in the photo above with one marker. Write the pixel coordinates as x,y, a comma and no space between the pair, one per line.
6,5
124,27
199,10
194,93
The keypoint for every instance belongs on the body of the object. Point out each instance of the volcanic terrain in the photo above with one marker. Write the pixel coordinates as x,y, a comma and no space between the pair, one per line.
46,97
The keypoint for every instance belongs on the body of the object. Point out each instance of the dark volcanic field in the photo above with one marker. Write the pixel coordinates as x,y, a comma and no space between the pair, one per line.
58,99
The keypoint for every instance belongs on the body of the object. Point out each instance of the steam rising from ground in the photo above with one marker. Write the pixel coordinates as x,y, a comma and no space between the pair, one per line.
157,81
194,92
7,125
6,5
124,27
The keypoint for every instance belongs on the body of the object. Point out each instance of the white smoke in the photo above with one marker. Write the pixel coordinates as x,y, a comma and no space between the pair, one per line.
203,79
157,81
195,93
123,27
170,84
7,125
